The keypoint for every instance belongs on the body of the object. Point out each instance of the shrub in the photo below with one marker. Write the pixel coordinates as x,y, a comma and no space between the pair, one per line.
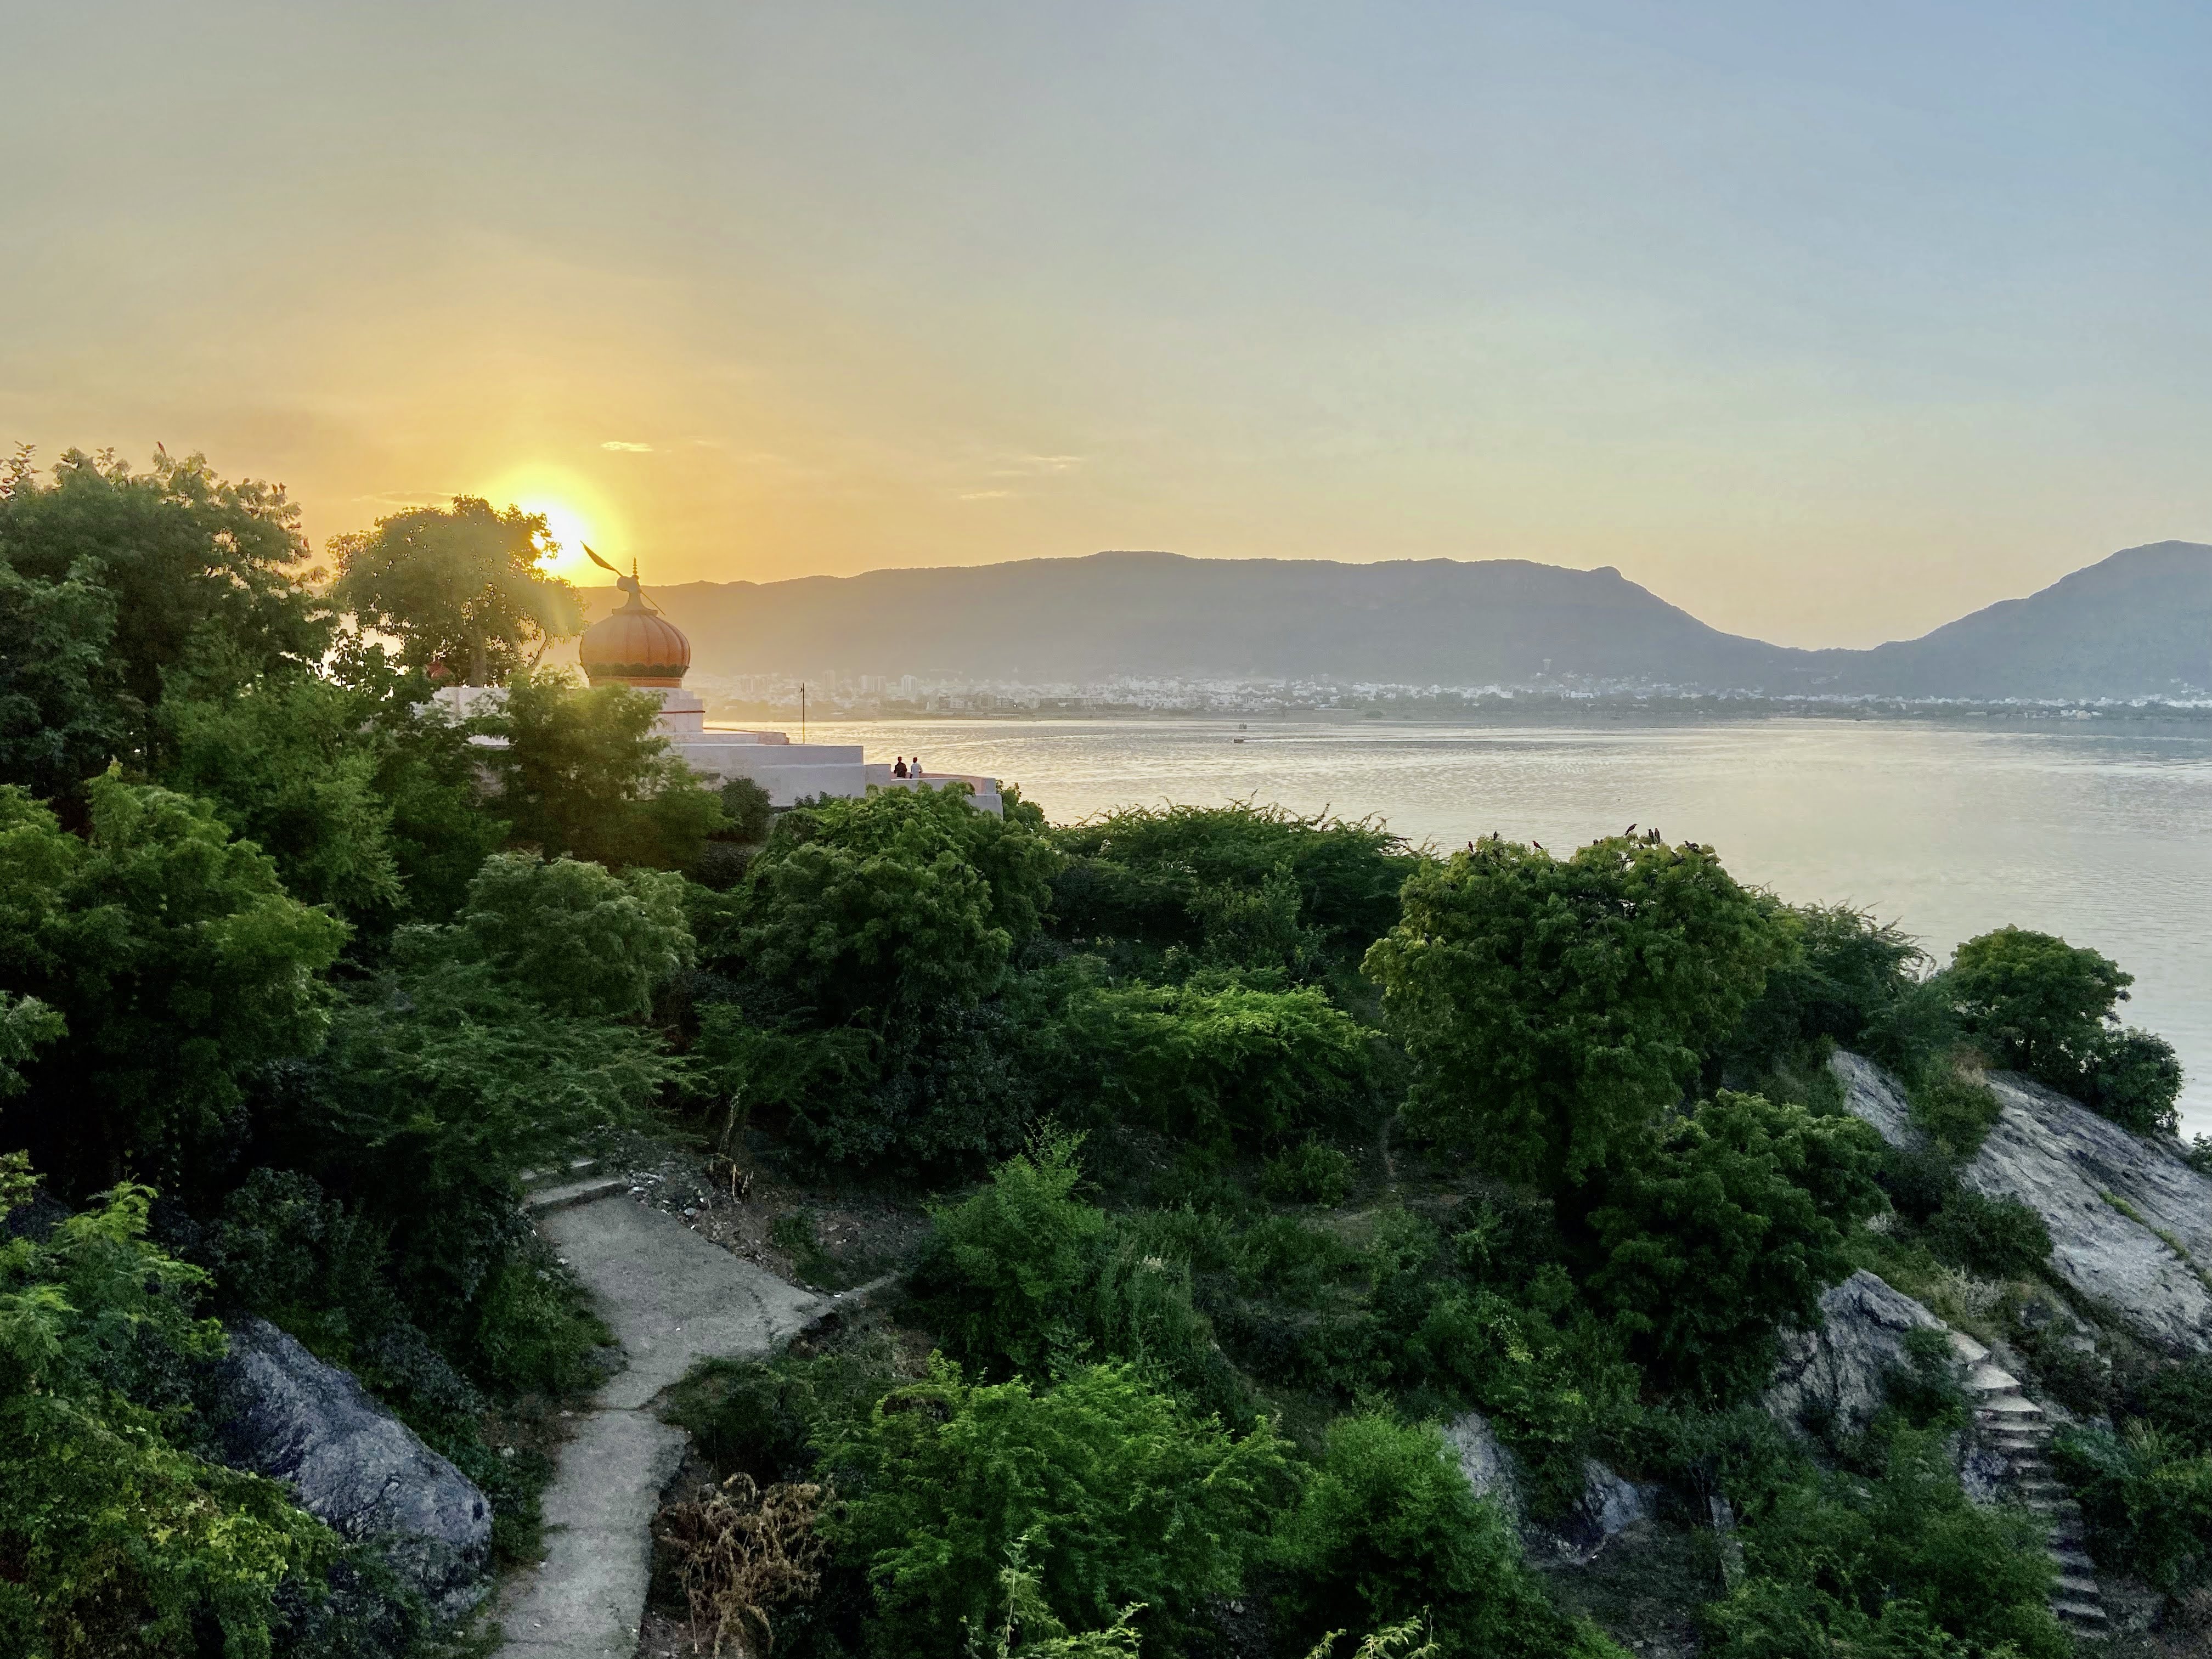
1308,1173
1122,1494
1388,1529
742,1554
1954,1109
1900,1565
1996,1237
2147,1497
2177,1400
117,1539
1845,981
1010,1259
1216,1058
567,934
1729,1230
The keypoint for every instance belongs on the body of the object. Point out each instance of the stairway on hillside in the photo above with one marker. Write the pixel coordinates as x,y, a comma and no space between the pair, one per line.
2017,1427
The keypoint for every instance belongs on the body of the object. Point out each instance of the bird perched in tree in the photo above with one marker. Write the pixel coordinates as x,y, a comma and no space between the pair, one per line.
1629,831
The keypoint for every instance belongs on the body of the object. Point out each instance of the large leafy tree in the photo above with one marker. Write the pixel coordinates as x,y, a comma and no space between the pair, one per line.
459,585
1553,1007
903,900
60,720
177,961
2051,1010
585,773
1727,1230
192,567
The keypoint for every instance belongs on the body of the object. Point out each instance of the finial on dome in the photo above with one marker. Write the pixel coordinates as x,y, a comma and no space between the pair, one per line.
636,645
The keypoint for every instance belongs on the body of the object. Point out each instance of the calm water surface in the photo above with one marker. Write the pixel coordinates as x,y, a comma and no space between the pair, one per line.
2104,836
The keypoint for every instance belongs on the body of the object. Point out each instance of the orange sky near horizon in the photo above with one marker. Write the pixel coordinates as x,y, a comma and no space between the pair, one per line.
1827,330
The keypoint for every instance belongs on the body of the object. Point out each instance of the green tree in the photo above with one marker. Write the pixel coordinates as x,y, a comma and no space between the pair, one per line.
1213,1058
2050,1009
1013,1258
585,773
190,563
901,901
1388,1529
458,585
570,935
289,764
175,957
1553,1007
2038,1002
1728,1230
60,722
117,1541
1120,1494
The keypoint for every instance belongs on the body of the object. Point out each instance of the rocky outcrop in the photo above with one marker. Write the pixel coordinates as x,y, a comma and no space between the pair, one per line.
1839,1373
282,1412
1607,1507
2130,1224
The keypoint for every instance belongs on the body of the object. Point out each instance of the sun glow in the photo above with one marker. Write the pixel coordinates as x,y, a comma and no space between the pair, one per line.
575,513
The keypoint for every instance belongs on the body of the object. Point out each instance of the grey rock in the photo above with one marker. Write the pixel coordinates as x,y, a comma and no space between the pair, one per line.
281,1411
1490,1468
1839,1372
1608,1505
2131,1223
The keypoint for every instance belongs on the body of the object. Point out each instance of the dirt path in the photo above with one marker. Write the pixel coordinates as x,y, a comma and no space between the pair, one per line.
672,1299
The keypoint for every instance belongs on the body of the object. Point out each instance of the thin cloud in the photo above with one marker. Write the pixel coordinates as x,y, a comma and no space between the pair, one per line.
986,495
618,445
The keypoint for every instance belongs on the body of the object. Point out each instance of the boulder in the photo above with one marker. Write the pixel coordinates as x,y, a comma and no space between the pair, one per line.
1839,1373
2131,1223
281,1411
1607,1506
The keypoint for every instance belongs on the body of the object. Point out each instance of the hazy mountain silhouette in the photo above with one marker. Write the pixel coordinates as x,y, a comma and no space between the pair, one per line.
2140,622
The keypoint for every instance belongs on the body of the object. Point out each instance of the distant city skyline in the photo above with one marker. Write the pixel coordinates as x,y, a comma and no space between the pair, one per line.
1829,324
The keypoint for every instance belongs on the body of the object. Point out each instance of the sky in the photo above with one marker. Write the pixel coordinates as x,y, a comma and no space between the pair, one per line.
1825,322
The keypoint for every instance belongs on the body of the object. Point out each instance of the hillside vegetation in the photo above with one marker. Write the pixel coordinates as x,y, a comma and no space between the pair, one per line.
1257,1150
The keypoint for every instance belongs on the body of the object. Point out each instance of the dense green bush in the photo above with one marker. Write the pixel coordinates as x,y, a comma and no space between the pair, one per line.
1308,1173
2147,1496
1996,1238
1901,1565
566,935
1727,1230
1238,885
1214,1059
1553,1007
1119,1493
178,964
1953,1109
118,1539
1388,1528
1010,1260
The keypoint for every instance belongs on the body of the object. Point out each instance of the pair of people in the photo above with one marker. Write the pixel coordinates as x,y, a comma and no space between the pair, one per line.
900,769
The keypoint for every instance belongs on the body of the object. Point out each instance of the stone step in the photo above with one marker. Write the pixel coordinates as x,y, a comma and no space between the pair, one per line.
1986,1378
2037,1485
2079,1586
2079,1613
2070,1559
589,1190
535,1180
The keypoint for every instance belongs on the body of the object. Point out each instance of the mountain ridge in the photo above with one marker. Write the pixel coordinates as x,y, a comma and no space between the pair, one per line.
2137,622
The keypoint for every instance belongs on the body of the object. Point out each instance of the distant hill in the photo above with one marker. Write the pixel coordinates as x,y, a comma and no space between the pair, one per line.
2140,622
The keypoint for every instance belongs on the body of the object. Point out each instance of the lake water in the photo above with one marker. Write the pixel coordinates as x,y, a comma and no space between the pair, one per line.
2102,836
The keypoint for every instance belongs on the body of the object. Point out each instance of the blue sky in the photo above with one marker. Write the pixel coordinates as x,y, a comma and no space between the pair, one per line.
1826,323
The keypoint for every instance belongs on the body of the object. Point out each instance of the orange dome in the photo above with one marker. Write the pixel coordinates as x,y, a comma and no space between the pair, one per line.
634,647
